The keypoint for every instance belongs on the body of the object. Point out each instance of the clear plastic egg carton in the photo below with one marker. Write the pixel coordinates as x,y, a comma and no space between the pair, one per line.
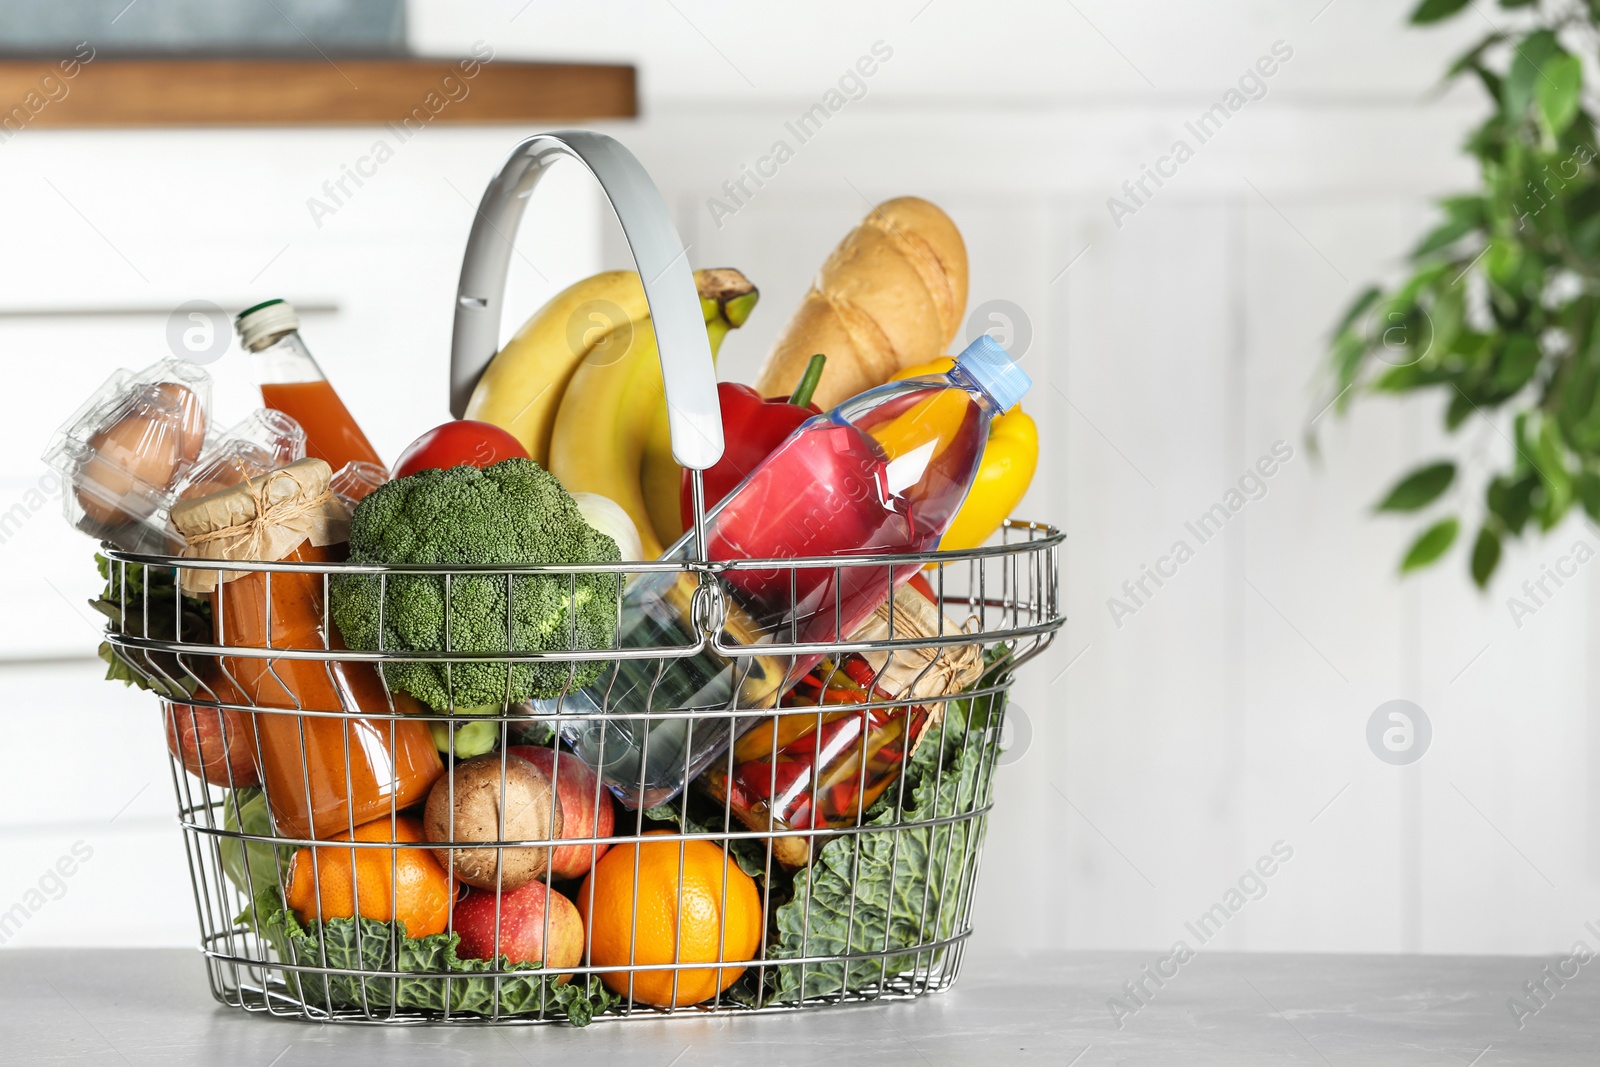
127,447
144,440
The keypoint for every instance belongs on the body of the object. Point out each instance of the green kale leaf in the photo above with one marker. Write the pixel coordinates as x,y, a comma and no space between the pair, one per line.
434,979
143,601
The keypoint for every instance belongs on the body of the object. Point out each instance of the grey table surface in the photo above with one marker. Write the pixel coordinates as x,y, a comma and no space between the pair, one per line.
152,1006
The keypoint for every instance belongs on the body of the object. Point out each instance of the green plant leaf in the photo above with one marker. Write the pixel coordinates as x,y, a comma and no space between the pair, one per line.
1494,86
1348,353
1528,59
1485,556
1501,308
1517,363
1512,500
1463,214
1419,488
1561,78
1432,543
1400,379
1470,59
1588,486
1357,308
1558,489
1526,441
1435,11
1444,235
1449,315
1406,335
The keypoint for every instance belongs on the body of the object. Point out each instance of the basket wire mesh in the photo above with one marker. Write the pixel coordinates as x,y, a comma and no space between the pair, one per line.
878,907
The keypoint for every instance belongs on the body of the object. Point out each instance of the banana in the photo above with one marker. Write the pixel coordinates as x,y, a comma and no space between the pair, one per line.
726,298
609,412
597,442
522,387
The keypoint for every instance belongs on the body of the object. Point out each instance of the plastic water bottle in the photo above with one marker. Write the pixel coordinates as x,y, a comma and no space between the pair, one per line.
882,473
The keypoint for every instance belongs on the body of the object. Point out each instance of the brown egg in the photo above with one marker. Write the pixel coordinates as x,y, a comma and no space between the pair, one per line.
140,451
234,466
191,421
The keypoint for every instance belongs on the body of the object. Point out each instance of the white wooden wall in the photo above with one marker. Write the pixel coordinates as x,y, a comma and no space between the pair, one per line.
1166,755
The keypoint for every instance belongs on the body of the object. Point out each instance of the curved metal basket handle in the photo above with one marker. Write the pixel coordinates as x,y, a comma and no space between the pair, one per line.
658,252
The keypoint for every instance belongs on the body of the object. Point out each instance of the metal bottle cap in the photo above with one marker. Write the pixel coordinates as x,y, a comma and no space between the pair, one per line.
258,325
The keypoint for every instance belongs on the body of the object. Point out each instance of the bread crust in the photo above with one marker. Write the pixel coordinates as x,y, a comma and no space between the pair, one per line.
891,295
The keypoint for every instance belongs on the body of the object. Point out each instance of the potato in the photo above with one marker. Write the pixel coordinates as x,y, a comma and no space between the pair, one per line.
471,811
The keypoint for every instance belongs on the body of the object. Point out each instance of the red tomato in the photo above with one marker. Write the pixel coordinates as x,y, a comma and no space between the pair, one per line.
464,441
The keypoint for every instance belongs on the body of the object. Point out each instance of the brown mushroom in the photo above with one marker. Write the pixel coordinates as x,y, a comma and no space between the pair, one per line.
475,803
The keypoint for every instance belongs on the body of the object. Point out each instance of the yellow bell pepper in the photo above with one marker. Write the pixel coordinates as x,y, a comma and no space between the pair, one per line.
1009,460
909,429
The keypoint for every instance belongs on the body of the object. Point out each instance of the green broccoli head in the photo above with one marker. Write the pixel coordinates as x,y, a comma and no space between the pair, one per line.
514,512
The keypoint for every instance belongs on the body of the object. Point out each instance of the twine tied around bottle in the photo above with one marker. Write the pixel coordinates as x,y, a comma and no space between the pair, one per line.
262,519
932,673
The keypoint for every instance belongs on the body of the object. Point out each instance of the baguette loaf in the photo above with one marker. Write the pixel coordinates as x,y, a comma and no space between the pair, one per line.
891,295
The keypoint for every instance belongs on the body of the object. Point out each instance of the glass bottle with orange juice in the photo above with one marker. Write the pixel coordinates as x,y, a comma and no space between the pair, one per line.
293,383
332,744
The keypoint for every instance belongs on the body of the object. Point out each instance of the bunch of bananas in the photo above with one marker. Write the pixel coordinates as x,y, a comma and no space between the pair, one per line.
580,386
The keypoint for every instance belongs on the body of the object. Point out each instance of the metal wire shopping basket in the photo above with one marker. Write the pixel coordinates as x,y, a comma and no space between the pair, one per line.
869,900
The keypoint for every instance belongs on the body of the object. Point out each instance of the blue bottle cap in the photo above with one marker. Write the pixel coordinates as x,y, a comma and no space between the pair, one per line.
995,372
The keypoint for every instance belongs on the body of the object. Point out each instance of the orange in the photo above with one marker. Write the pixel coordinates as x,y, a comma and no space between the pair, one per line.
409,879
684,913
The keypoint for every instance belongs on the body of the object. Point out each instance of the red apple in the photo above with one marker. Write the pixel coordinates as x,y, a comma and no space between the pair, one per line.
522,926
212,743
586,808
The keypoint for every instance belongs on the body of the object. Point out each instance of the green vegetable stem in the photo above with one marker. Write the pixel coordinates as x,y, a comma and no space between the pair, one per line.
471,738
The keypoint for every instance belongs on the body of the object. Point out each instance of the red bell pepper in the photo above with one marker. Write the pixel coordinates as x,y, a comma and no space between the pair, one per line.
752,428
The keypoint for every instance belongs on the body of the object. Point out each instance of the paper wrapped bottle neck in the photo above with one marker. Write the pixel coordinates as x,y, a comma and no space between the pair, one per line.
260,520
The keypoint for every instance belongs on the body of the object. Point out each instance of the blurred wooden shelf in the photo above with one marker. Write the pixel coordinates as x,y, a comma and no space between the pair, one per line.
337,92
